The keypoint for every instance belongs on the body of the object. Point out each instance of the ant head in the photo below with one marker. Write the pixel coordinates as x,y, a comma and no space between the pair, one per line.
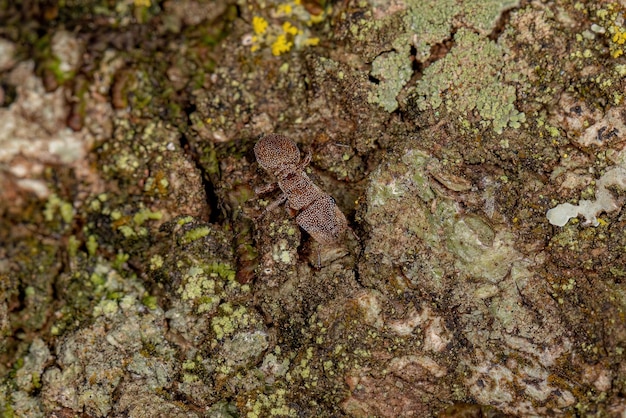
276,152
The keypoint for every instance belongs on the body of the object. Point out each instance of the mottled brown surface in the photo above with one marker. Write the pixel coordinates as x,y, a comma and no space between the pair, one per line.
138,279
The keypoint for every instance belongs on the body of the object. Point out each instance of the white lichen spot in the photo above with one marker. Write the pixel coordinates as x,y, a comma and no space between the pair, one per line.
605,201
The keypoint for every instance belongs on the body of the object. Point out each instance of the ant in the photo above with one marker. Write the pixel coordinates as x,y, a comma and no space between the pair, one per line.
319,215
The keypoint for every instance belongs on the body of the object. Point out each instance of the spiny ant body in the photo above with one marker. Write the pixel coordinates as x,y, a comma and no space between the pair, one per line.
319,215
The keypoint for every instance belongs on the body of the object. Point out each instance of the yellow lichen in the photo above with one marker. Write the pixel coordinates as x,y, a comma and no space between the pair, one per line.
281,35
619,37
285,9
259,25
617,33
290,29
281,45
317,18
312,41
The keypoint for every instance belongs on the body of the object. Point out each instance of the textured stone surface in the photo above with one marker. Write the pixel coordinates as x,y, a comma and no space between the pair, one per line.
137,279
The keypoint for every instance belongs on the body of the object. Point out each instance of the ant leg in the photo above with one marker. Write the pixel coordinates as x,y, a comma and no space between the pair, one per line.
319,256
276,203
265,189
305,161
319,259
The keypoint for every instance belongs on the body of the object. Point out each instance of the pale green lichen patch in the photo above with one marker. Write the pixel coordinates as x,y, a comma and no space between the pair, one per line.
230,319
488,259
184,220
107,284
431,22
132,227
478,250
195,234
394,184
156,262
28,374
273,405
393,70
465,259
483,15
72,246
196,282
242,346
106,308
145,214
417,161
92,245
282,252
57,206
206,285
150,302
469,79
428,23
126,231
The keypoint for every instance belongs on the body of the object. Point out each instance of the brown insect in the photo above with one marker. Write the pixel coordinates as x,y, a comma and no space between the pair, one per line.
319,214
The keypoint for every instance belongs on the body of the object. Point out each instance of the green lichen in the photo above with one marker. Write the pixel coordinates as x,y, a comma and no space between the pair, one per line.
483,15
127,231
72,246
428,23
126,163
146,214
156,262
92,245
223,270
149,302
106,308
393,70
120,259
184,220
196,283
479,254
206,285
195,234
230,320
55,205
431,21
131,227
53,64
273,405
282,252
417,161
469,79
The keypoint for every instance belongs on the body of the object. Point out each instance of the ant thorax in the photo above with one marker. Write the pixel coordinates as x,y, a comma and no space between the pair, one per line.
282,173
300,190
